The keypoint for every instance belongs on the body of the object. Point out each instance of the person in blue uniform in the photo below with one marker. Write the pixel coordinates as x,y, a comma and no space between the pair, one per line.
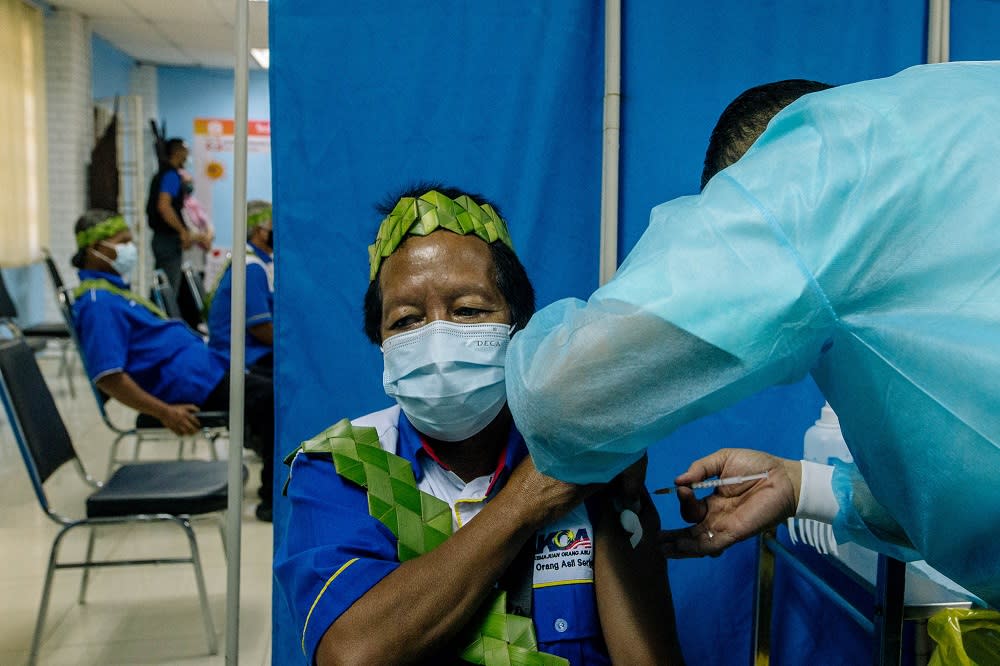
856,240
259,352
163,211
446,290
152,364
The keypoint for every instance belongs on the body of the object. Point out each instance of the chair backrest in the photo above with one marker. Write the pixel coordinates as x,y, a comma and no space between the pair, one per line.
64,296
38,428
195,287
163,294
7,308
50,264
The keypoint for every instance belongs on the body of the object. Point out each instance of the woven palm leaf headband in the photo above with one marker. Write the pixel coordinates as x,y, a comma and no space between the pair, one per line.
258,218
104,229
432,211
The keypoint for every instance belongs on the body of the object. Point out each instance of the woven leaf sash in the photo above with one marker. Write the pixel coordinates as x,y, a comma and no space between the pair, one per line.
210,296
421,522
104,285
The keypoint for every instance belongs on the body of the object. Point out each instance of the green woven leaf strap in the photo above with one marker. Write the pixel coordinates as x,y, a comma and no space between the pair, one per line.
502,639
104,285
421,522
210,296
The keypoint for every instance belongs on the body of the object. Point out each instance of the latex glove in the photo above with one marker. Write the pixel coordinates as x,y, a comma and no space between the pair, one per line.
732,513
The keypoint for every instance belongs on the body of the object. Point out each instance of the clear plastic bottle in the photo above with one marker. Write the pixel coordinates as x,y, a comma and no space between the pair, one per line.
824,441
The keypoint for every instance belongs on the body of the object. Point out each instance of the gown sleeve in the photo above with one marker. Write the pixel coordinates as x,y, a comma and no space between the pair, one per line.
857,240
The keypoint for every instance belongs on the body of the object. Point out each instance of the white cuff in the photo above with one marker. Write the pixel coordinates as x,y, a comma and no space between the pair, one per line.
816,498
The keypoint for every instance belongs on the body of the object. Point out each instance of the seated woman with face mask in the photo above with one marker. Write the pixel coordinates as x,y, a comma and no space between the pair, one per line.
423,533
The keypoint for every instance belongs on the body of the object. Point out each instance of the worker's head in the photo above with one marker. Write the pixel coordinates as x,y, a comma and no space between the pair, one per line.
446,289
746,118
104,243
260,225
176,152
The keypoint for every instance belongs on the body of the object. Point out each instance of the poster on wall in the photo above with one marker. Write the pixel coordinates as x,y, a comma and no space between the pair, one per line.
212,155
213,152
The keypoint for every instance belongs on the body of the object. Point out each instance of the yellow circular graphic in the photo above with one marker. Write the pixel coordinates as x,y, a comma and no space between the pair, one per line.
215,170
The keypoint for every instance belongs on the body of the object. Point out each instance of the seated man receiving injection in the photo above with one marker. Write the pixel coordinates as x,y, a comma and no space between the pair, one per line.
412,526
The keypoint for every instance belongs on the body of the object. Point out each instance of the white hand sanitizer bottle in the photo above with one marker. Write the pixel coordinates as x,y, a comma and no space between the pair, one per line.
823,441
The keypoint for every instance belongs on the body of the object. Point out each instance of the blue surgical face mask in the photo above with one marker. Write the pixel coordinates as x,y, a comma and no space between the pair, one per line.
448,378
126,257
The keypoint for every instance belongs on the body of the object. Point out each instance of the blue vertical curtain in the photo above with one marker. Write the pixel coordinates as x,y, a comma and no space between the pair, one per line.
683,63
505,98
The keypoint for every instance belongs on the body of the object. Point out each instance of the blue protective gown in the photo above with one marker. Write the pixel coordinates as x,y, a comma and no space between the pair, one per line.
858,239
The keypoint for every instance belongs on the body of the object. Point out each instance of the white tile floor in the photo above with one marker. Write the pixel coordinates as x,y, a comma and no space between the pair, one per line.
133,615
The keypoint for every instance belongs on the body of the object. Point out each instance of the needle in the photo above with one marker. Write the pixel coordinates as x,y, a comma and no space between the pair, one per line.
713,483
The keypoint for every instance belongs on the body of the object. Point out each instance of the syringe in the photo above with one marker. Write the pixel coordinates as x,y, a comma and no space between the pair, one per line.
714,483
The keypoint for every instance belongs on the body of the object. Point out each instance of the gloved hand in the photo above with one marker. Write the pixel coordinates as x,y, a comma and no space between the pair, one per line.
732,513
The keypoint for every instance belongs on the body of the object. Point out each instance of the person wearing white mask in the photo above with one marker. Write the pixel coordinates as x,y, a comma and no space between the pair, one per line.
423,533
155,365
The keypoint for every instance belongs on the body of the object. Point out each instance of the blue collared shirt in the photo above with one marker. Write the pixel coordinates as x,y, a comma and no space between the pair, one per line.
164,357
260,309
334,551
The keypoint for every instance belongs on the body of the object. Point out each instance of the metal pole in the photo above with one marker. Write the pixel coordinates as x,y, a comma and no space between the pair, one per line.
612,132
237,336
938,31
890,591
933,30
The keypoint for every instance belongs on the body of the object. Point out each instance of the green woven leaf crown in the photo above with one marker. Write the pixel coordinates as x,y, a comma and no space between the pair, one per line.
259,217
432,211
100,231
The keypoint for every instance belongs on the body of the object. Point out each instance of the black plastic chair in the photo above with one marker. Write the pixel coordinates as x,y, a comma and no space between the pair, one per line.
164,296
39,335
214,424
195,286
194,289
54,274
155,492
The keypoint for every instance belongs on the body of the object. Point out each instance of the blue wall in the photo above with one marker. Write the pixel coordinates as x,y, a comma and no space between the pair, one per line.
111,69
975,25
186,93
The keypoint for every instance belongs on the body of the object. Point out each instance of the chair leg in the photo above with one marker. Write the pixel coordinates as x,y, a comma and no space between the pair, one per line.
66,368
43,607
113,457
213,647
222,533
85,578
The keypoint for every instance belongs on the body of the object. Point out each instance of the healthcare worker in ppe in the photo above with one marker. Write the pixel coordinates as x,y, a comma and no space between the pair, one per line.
423,532
857,240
